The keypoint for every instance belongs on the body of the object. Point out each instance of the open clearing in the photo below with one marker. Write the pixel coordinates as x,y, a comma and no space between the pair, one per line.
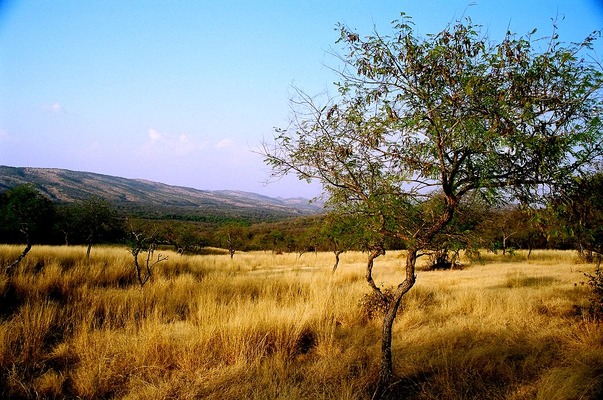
267,326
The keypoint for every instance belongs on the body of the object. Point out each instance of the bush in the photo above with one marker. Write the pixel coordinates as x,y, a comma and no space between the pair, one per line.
595,306
442,260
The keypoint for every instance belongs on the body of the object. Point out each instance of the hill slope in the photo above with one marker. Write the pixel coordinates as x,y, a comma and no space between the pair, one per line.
152,198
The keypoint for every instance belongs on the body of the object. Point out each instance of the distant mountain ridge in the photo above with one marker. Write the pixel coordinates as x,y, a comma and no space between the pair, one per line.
159,199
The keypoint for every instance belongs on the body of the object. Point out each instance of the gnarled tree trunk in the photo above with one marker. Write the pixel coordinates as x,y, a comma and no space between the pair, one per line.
386,370
337,254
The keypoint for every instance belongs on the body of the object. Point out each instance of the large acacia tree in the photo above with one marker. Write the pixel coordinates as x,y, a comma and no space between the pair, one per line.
421,123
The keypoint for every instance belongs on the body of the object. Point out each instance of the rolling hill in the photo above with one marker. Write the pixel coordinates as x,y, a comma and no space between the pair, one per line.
154,199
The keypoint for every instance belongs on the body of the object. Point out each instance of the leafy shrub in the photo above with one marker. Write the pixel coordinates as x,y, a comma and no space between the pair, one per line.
595,306
442,260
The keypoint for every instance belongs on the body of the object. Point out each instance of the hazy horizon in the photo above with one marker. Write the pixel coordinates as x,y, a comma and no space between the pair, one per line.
183,93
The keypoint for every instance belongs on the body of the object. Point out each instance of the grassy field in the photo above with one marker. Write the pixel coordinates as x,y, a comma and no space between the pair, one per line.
265,326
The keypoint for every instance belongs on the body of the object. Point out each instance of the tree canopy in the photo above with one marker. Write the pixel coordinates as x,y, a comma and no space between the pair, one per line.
25,210
577,214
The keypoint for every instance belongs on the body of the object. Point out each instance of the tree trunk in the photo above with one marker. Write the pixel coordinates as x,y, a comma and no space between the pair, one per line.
231,248
504,245
386,372
373,253
337,254
25,232
89,247
18,260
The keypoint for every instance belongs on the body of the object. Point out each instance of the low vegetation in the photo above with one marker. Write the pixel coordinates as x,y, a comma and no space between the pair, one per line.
268,326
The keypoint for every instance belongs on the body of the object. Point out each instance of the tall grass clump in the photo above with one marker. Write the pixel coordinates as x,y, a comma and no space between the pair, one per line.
262,326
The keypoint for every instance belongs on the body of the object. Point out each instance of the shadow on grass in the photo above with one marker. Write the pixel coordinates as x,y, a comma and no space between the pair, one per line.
519,280
490,364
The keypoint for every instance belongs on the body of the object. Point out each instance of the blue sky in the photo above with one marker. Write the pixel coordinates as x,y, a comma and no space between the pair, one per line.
183,92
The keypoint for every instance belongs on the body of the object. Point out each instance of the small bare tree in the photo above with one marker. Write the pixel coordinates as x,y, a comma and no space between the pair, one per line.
143,243
232,234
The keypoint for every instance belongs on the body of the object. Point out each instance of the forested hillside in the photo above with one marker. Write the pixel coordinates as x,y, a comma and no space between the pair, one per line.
155,200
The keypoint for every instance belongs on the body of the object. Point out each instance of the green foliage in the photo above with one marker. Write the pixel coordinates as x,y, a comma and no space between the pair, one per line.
459,234
343,232
595,305
448,115
96,219
26,214
231,236
576,213
510,227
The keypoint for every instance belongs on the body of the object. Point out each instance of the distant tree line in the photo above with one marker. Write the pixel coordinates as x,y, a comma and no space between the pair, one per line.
573,220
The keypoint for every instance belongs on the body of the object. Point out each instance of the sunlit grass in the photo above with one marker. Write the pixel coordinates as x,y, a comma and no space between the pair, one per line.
270,326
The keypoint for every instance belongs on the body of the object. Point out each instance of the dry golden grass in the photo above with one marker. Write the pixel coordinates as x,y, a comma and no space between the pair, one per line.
266,326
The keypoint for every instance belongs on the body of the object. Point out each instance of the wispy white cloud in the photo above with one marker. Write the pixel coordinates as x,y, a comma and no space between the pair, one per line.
185,144
224,143
154,136
190,160
168,145
55,108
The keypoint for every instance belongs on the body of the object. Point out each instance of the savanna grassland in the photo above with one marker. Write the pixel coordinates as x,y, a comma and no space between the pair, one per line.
267,326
